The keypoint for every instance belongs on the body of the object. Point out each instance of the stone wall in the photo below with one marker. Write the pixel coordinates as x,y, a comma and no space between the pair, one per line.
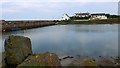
19,25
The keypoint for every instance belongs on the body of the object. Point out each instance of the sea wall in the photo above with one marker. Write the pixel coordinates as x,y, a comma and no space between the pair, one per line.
27,24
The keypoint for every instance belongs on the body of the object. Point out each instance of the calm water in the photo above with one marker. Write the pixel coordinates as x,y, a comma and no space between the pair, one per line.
85,40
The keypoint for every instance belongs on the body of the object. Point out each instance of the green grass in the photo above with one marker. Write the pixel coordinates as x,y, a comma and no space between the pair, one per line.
107,21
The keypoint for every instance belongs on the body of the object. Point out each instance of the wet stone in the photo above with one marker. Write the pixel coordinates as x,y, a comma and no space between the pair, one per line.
17,49
43,59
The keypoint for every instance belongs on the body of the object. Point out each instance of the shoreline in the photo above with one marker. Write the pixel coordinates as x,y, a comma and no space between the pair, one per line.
78,59
14,50
23,25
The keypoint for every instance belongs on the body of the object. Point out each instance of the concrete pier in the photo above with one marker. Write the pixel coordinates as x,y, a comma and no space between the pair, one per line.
25,24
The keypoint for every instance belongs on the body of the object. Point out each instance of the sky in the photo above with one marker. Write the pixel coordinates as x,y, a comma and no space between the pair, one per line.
53,9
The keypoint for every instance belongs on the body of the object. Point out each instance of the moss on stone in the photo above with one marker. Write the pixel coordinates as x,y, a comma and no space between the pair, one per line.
84,62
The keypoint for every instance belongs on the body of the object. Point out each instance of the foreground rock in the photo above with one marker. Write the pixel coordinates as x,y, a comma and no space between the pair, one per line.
84,62
17,49
96,63
105,62
2,61
43,59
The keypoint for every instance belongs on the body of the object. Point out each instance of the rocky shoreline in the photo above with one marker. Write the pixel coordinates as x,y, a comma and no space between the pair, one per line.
18,54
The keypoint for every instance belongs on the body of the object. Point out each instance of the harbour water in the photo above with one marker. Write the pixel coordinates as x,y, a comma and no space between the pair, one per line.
84,40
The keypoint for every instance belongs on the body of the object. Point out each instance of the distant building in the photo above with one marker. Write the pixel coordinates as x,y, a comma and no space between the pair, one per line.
98,16
82,14
2,21
65,17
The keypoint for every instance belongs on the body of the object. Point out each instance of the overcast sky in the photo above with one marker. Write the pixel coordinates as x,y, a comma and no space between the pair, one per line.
53,9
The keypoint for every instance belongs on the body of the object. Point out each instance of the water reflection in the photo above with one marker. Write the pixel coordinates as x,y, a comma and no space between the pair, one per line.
86,40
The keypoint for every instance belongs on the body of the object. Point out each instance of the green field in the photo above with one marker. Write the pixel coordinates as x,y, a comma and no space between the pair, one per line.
107,21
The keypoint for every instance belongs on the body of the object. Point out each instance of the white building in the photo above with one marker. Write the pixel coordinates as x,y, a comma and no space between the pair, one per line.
82,14
98,16
65,17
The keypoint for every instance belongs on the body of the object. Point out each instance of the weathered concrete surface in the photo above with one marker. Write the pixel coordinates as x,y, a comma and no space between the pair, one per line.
43,59
17,49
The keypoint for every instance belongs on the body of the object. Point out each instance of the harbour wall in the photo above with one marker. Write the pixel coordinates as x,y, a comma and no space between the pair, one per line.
27,24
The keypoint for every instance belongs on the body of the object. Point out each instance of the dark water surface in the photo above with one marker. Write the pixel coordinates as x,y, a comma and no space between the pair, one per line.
85,40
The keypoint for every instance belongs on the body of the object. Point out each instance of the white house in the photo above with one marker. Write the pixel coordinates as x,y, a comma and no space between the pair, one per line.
98,16
82,14
65,17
